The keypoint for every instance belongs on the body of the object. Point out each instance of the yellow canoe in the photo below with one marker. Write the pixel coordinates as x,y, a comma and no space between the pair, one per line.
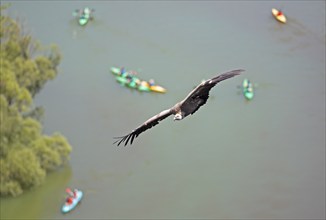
157,88
279,15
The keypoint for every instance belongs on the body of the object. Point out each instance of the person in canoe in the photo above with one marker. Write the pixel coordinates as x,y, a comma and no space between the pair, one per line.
71,195
130,76
144,84
87,11
82,12
122,71
69,200
126,74
138,82
151,82
279,13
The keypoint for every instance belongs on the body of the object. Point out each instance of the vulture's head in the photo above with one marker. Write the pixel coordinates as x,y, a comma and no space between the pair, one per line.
177,116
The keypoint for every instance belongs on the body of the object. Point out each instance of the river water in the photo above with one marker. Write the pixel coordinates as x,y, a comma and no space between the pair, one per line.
232,159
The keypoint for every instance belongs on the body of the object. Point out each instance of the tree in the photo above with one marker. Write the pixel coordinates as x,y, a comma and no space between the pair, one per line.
26,155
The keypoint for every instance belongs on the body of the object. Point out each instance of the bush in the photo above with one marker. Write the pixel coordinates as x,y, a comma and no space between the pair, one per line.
26,155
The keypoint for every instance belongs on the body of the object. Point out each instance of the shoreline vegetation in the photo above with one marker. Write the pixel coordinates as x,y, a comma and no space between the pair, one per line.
26,155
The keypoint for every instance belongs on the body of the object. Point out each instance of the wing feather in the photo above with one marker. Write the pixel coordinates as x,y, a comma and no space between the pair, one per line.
198,96
143,127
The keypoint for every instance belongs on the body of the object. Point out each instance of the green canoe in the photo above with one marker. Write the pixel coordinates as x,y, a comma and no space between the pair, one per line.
83,21
116,71
248,89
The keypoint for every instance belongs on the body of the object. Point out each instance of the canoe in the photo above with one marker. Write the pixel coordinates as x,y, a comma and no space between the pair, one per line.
126,82
157,88
248,95
132,84
83,20
68,207
115,71
248,89
278,15
121,80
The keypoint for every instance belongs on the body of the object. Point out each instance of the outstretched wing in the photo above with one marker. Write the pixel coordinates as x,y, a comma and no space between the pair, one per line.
198,97
146,125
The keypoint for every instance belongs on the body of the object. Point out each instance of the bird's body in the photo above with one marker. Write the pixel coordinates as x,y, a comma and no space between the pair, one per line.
194,100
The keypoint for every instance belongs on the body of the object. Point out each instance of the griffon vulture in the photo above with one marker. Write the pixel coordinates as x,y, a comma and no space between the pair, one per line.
194,100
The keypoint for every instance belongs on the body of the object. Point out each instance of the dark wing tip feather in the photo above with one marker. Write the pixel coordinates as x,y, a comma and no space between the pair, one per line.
122,139
237,72
226,75
129,138
146,125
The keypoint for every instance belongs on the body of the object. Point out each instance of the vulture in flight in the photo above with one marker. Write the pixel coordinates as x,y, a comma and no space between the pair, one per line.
194,100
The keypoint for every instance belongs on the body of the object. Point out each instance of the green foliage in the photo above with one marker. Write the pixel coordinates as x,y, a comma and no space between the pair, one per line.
8,186
25,167
26,155
36,113
51,151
